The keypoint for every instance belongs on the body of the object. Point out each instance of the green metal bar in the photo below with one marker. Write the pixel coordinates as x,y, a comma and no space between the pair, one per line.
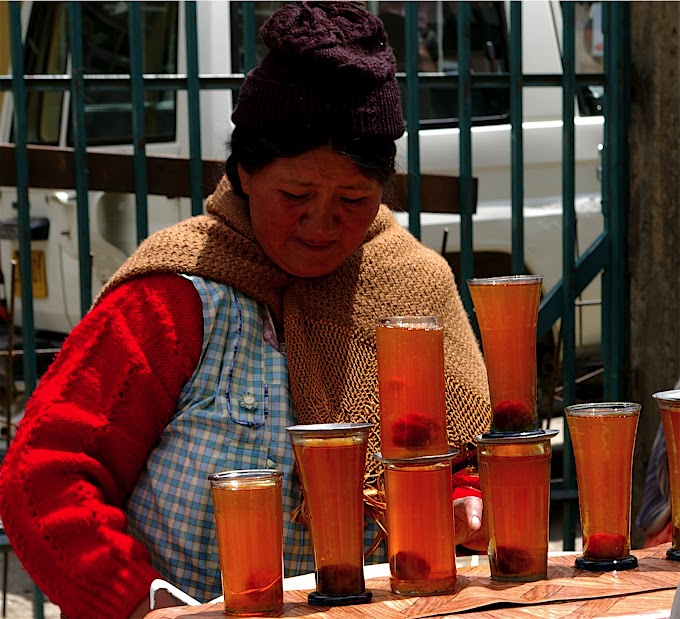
194,105
591,262
412,117
138,140
121,83
503,80
80,154
465,149
570,513
23,206
615,332
154,82
249,36
24,221
516,137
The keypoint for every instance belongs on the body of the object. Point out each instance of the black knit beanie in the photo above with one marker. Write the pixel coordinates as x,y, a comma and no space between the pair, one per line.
329,67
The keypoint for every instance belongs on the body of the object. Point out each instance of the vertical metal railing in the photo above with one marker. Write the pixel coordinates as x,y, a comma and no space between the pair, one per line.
80,154
194,107
24,222
615,197
568,326
249,36
136,48
517,136
465,149
412,113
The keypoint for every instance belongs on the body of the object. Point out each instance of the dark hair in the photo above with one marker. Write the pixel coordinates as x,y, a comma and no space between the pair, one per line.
375,156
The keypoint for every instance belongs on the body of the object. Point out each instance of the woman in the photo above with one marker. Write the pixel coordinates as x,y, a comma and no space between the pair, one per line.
221,331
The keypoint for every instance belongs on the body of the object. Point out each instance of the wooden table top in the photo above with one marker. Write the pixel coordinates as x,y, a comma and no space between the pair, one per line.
646,591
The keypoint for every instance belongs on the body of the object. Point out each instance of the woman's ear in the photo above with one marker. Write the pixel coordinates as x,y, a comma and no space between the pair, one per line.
244,177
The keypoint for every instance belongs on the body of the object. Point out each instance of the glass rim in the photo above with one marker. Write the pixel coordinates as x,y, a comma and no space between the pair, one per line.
408,320
250,474
534,436
329,429
672,396
505,280
600,409
417,460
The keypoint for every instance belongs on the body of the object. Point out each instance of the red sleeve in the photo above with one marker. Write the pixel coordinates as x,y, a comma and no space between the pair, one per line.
84,439
465,482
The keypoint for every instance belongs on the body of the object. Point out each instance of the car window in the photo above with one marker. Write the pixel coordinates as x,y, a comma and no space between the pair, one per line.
589,55
45,52
438,51
108,117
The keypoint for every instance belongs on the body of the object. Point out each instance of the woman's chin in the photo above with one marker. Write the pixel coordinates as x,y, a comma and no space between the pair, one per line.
311,268
312,273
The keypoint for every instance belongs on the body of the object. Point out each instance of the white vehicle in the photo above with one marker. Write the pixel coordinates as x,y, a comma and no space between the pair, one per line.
108,124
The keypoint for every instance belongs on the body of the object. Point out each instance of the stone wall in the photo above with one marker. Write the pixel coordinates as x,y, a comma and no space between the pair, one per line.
654,219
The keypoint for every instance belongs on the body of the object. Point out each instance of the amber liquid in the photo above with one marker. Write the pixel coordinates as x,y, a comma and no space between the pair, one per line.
670,416
421,540
332,474
515,482
411,388
249,538
507,314
603,450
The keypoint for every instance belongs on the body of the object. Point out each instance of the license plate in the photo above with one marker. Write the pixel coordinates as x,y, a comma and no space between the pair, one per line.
38,275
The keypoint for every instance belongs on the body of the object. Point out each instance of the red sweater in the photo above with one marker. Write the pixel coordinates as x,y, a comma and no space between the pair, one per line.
82,445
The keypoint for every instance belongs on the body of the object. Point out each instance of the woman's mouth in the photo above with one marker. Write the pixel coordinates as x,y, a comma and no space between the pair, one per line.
317,245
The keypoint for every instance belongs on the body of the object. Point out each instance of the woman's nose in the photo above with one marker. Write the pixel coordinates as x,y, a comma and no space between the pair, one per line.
322,217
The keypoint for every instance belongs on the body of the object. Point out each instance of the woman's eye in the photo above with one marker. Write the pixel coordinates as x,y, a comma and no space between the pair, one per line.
353,201
294,197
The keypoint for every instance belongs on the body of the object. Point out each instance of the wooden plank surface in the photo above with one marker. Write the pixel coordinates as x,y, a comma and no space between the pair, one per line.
51,167
567,592
438,194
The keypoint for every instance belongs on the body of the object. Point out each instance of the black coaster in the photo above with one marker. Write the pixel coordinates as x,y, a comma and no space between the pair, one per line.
525,436
672,554
591,565
341,599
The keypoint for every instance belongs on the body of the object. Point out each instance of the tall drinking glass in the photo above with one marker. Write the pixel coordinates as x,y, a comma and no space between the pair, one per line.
410,353
420,528
514,475
248,507
507,312
603,438
331,460
669,407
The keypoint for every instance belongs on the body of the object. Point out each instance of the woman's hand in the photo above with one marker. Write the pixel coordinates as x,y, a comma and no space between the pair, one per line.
470,530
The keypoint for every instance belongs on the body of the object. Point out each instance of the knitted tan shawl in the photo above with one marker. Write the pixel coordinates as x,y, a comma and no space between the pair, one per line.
329,322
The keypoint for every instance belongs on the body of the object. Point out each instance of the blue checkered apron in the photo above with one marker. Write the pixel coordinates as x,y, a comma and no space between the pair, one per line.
231,415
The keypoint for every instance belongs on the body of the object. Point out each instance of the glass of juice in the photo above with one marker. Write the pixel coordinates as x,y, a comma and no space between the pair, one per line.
669,407
420,528
603,438
507,312
514,475
331,460
410,353
248,507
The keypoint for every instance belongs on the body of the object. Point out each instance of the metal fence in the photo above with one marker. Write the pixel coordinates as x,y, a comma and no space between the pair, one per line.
607,256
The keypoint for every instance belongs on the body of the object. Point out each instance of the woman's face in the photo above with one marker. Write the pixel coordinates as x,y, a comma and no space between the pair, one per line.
311,212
